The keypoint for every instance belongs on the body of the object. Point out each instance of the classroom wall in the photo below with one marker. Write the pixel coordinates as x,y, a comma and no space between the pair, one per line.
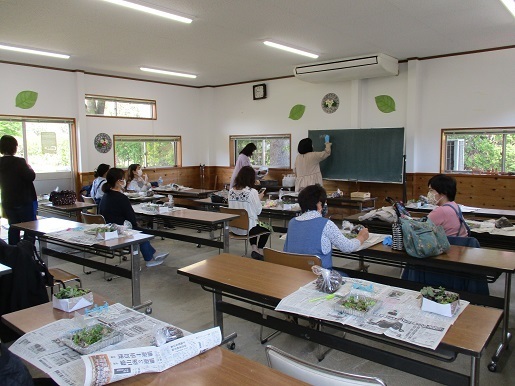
460,91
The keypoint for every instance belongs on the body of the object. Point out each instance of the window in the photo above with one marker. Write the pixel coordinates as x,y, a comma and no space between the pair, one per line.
44,143
273,151
482,150
102,106
148,151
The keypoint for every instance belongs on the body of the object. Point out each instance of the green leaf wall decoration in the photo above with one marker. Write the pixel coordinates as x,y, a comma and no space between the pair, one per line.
26,99
297,112
385,103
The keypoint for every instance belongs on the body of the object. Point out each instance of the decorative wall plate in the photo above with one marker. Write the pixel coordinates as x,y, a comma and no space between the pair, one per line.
103,142
330,103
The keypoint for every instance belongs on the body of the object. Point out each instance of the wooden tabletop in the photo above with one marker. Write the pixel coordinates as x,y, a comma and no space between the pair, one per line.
193,193
480,257
192,215
216,367
257,279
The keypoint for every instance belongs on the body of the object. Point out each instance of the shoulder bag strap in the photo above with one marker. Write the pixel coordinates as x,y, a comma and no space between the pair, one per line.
460,217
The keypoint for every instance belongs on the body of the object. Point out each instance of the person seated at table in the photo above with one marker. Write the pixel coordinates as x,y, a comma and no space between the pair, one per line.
116,208
442,191
243,196
100,178
136,180
312,234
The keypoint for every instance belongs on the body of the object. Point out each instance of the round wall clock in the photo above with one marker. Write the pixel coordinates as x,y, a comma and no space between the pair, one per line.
330,103
103,142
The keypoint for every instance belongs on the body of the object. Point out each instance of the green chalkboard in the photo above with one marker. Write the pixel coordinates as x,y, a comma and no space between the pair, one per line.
374,155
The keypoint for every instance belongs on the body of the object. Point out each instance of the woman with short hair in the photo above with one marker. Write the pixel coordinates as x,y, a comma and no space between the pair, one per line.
116,209
307,164
312,234
96,187
19,199
243,160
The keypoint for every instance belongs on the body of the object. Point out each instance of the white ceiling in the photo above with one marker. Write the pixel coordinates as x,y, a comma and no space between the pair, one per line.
224,45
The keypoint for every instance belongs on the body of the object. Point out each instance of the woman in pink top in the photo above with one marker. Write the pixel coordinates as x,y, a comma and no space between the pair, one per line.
442,191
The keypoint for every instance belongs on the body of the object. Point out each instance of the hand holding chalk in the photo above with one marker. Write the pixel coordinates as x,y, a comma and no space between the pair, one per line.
326,138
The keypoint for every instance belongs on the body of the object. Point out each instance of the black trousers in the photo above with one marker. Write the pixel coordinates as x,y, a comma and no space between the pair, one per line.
17,214
262,239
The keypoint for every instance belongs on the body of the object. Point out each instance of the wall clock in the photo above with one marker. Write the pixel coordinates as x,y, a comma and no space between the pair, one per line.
103,143
330,103
259,91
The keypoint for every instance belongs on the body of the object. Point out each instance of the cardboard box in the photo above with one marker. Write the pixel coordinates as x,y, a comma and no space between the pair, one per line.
441,309
361,195
107,235
73,304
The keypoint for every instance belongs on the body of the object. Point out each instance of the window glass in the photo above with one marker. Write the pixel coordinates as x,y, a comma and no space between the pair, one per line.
272,151
484,150
148,151
46,145
120,107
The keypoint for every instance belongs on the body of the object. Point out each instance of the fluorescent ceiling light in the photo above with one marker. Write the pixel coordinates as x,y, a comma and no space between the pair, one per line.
510,4
289,49
35,52
146,69
152,11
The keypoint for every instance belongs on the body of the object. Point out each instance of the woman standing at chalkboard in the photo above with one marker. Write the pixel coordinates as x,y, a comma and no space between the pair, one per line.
307,163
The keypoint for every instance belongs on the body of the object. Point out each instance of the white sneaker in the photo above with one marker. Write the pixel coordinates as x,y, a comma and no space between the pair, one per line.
153,263
161,256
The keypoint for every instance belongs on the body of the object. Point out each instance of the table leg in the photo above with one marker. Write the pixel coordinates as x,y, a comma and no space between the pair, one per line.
474,371
226,236
218,316
135,282
42,245
506,335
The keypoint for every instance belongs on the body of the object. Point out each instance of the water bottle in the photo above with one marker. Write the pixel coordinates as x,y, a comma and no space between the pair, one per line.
281,192
170,201
160,181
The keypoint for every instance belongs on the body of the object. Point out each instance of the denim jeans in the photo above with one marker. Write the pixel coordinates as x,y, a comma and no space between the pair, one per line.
147,250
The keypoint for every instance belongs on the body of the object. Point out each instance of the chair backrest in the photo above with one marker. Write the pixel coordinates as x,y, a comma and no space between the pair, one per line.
464,241
242,221
92,218
295,260
312,374
88,200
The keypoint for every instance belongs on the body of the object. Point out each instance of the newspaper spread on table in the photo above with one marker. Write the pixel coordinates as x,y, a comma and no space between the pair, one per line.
85,234
398,315
134,355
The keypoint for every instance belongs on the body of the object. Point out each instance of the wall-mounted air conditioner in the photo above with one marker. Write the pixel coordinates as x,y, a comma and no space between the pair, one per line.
367,66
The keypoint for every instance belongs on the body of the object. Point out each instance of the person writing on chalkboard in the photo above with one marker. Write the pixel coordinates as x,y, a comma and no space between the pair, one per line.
442,191
311,233
307,163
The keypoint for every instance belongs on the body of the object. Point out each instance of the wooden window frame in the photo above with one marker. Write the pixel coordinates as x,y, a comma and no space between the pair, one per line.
151,102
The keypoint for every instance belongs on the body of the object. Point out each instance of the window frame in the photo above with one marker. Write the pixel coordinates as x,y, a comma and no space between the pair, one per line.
255,137
474,131
115,99
137,138
41,175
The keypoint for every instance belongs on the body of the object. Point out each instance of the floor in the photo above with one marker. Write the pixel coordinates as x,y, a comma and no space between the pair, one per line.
186,305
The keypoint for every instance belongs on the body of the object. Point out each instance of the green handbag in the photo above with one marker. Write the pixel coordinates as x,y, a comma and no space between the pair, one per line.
422,238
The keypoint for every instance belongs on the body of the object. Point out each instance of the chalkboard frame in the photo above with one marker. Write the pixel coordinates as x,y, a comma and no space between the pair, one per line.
366,155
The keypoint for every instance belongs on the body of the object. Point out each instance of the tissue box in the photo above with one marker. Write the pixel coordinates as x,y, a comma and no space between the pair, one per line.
73,304
361,195
442,309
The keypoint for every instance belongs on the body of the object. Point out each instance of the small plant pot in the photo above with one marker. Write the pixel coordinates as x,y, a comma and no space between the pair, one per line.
448,309
73,304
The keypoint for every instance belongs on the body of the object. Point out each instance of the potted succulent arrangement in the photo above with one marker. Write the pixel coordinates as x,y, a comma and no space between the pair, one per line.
439,301
72,298
92,338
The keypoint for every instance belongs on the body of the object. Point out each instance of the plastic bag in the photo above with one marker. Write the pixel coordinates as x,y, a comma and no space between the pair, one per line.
328,280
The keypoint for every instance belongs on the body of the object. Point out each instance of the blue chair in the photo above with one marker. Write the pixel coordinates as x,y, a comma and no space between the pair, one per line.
476,284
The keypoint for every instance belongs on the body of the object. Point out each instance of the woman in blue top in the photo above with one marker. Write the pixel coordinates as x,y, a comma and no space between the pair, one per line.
312,234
